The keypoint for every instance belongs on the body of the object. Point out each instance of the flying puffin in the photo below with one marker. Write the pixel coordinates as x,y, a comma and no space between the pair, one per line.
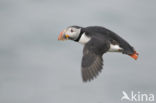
97,40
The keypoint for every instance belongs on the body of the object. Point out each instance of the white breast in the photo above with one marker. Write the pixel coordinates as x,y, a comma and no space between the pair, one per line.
84,39
114,48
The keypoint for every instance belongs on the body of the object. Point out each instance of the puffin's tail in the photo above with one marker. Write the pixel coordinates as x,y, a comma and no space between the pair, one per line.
134,55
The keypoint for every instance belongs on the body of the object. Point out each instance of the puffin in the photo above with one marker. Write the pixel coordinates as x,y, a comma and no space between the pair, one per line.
97,41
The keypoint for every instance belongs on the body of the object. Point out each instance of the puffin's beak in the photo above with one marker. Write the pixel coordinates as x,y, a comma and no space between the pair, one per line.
63,36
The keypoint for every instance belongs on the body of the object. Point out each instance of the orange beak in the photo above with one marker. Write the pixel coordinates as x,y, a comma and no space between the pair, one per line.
134,55
60,37
63,36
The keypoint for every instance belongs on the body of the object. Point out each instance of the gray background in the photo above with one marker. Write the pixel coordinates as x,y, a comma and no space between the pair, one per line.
36,68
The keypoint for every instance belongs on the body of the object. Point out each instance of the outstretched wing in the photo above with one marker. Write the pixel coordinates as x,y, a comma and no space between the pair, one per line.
92,61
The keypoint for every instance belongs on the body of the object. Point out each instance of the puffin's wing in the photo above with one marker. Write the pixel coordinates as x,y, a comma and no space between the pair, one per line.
92,61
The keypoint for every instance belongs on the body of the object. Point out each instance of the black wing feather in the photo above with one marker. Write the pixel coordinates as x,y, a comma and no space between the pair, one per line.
92,61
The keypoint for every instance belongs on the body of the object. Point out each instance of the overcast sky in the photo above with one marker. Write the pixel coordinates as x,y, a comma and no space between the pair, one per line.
36,68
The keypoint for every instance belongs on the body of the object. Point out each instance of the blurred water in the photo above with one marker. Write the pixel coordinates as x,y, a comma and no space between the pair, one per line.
36,68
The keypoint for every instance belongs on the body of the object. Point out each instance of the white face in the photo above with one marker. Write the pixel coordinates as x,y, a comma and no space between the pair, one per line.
72,32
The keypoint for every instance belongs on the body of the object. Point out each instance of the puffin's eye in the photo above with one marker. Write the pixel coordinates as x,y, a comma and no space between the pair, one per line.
71,30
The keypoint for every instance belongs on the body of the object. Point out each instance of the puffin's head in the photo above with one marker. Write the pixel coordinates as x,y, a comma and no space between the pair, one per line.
71,32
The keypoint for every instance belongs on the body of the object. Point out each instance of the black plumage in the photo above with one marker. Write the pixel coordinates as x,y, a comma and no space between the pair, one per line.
101,32
101,38
92,61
